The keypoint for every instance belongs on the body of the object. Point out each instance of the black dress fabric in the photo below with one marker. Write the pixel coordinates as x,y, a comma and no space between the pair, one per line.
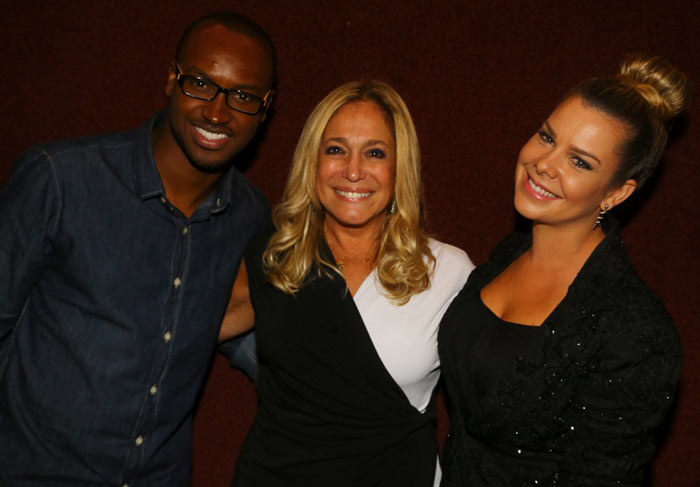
582,408
490,345
329,414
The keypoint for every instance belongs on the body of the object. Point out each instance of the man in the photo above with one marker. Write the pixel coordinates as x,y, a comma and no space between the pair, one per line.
117,261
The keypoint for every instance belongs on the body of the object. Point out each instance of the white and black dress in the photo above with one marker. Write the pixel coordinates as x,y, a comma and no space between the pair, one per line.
346,382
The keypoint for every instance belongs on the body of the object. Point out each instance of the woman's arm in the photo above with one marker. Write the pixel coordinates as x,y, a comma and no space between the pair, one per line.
239,316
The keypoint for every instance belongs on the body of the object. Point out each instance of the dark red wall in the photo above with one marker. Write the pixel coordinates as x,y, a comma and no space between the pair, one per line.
478,76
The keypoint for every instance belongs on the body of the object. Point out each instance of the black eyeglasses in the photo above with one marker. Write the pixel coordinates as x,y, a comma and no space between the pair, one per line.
205,89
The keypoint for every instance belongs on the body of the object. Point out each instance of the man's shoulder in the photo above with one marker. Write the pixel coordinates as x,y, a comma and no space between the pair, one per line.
74,147
81,156
247,208
243,189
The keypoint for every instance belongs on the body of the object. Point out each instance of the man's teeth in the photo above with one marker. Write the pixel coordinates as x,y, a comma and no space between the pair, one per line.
210,135
352,195
541,191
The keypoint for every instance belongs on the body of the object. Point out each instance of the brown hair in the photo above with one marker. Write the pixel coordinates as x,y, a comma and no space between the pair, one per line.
646,94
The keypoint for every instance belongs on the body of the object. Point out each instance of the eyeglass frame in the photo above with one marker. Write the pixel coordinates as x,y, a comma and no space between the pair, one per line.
180,76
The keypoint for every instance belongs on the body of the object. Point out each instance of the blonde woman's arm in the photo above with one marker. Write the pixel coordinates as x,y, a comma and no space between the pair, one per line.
239,316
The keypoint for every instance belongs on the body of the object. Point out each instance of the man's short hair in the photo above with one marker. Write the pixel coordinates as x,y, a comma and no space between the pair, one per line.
236,23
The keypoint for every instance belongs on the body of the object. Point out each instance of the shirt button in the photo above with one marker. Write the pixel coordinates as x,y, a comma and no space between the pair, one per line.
185,230
167,336
125,485
153,390
139,441
163,200
177,282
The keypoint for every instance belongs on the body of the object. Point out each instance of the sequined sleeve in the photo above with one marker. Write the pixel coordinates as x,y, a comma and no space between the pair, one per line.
625,394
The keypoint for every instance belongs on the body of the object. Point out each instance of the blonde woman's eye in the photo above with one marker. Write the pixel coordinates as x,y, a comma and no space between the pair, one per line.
376,153
333,150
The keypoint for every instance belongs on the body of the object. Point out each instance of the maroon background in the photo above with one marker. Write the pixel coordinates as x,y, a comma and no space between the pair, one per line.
478,76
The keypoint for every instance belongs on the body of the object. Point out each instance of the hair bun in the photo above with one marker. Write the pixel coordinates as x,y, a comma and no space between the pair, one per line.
661,83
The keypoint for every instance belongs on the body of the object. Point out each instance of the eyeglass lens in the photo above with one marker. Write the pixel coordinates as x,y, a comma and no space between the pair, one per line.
207,90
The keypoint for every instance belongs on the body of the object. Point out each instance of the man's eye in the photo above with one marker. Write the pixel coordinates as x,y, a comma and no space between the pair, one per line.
242,96
200,83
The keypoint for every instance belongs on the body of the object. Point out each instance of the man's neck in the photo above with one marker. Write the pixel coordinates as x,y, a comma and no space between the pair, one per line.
186,187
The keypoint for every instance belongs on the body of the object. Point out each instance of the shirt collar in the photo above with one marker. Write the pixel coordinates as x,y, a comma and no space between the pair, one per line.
221,197
147,180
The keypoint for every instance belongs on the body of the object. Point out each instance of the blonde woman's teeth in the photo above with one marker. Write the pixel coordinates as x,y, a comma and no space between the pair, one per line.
352,195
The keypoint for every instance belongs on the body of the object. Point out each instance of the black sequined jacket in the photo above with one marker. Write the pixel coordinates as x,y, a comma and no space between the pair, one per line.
582,409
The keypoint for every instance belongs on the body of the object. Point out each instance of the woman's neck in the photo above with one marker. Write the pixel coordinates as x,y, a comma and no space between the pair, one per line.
352,240
354,250
563,246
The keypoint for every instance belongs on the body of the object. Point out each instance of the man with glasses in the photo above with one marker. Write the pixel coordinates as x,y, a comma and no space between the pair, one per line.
117,261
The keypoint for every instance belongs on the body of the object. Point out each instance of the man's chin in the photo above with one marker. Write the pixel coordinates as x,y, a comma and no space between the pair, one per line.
210,167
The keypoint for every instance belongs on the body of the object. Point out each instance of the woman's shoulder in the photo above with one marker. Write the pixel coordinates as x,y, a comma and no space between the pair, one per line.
511,246
450,260
633,304
610,287
507,250
448,253
256,248
628,319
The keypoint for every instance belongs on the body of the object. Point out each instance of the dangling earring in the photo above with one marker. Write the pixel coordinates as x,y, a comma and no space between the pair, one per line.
601,215
392,208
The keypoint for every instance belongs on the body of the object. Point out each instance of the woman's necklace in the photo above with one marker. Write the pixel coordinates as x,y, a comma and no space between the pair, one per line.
341,260
365,258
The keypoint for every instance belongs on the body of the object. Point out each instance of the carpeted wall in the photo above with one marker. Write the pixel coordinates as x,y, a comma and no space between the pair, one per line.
478,77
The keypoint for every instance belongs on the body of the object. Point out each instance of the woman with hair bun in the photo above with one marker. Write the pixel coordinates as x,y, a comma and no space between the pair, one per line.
559,361
347,293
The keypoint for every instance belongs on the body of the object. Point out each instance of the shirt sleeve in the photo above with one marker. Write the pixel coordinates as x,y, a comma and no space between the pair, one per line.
622,400
241,351
30,205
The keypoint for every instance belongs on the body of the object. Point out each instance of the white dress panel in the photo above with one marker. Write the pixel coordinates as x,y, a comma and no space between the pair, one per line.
405,337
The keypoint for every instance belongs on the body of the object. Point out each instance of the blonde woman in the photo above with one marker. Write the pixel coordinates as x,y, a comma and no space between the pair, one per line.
347,295
559,361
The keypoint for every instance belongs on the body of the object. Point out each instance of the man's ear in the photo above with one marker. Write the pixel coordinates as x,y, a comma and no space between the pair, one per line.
620,194
171,81
270,99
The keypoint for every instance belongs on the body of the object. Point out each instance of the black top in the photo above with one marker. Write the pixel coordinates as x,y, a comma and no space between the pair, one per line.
489,347
330,413
581,410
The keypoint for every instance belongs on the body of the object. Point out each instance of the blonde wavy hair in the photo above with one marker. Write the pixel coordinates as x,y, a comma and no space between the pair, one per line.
404,260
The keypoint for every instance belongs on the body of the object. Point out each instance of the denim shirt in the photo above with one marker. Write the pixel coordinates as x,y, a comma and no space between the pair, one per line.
110,305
